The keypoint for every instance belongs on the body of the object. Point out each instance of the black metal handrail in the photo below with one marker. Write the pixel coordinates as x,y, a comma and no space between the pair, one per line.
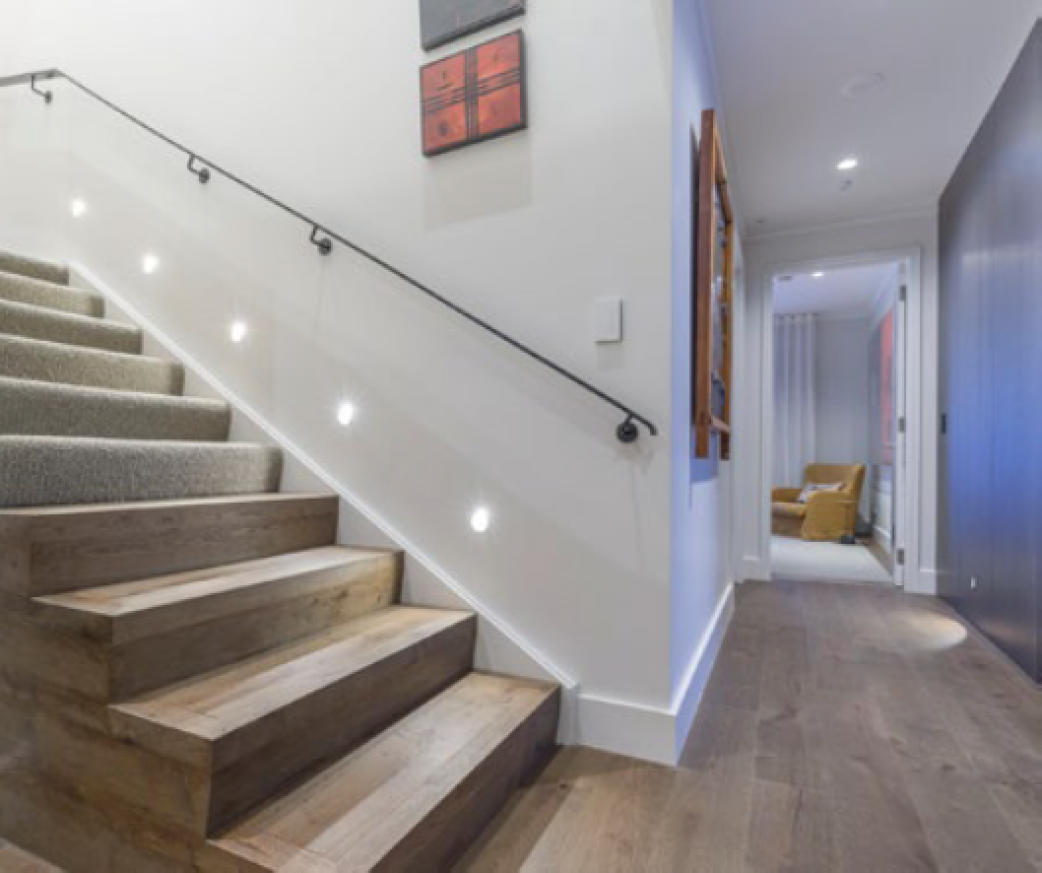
322,238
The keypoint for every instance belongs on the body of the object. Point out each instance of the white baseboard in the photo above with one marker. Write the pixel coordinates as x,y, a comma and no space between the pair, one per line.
689,695
625,727
883,537
924,582
655,733
755,569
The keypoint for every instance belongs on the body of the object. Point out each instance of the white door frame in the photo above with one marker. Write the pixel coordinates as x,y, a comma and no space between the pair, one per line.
909,323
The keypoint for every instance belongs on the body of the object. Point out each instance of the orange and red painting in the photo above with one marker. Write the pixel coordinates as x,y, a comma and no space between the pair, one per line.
475,95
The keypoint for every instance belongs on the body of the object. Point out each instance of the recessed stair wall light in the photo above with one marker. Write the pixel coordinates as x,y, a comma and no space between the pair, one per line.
237,332
78,207
149,264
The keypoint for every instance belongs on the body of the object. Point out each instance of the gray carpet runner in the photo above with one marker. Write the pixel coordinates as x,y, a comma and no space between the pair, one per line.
35,322
86,418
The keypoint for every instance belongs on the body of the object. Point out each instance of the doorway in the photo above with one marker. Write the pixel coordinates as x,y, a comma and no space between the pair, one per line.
837,399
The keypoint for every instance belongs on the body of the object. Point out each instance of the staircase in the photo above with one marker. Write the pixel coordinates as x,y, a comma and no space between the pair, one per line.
193,675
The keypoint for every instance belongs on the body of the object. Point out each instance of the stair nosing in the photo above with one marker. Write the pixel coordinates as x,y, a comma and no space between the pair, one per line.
44,281
147,506
58,286
66,315
208,403
97,300
75,609
126,357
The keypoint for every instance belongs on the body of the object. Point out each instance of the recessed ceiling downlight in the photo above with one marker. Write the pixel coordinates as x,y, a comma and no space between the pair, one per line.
481,519
847,164
345,414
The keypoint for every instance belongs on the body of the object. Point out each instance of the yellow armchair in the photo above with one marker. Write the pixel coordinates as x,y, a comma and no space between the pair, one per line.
827,515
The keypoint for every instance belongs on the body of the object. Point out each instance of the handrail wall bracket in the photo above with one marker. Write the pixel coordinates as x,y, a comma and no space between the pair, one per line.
324,245
47,96
201,173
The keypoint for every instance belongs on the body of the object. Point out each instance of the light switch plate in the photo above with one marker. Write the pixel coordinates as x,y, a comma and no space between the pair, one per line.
607,320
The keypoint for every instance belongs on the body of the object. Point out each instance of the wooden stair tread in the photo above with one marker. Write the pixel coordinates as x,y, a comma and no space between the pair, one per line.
356,812
128,598
220,702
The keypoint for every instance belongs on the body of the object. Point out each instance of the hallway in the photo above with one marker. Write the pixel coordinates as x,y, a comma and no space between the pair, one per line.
845,728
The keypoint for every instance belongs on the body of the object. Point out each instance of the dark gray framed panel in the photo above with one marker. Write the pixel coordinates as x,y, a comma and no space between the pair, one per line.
442,21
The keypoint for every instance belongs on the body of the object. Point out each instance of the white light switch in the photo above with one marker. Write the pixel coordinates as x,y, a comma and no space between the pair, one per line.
607,320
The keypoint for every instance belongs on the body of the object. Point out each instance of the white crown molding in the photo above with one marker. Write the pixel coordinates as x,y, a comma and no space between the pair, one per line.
928,210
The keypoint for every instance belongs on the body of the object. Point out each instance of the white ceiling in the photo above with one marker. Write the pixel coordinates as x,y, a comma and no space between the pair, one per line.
781,66
848,292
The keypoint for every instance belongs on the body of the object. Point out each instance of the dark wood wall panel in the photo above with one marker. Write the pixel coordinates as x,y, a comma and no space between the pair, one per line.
990,537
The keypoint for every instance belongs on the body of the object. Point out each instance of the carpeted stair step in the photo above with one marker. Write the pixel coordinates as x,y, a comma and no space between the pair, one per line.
50,295
43,361
30,408
33,268
36,322
47,471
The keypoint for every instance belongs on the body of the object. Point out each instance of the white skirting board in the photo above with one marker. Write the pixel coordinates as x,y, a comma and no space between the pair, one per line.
651,732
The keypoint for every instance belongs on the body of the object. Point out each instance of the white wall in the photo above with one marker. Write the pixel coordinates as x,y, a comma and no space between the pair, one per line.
317,102
839,244
841,393
701,567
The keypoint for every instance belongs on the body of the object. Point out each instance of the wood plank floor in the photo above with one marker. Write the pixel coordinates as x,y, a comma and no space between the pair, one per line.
14,860
845,728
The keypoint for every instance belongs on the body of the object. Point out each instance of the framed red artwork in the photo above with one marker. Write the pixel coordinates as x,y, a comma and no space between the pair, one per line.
475,95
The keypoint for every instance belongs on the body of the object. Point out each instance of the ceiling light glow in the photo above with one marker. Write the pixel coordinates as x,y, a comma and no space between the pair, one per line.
818,275
150,264
847,164
345,414
78,208
481,519
238,331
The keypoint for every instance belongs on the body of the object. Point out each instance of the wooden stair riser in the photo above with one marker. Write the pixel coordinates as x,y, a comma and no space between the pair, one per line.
142,652
93,768
34,656
445,835
85,837
392,691
269,755
48,552
412,797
